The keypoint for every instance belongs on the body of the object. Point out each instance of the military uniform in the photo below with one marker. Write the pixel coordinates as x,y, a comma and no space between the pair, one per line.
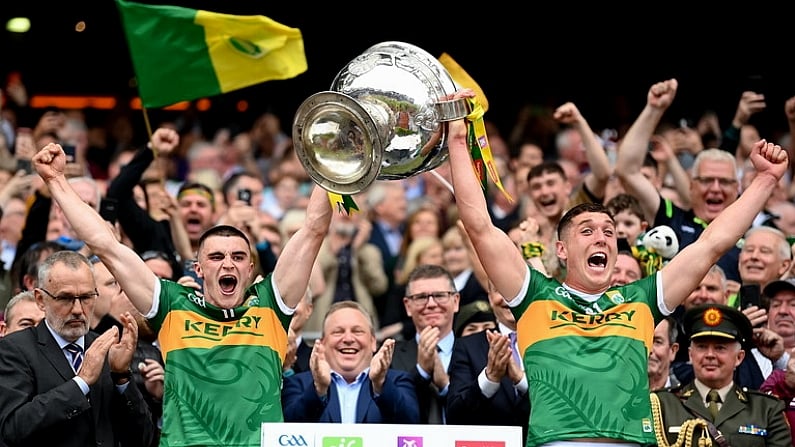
746,418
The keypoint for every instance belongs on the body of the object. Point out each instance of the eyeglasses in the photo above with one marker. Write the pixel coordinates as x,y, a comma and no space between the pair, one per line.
421,299
709,181
69,300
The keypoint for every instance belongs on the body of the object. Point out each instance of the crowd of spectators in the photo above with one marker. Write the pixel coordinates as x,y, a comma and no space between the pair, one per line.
405,258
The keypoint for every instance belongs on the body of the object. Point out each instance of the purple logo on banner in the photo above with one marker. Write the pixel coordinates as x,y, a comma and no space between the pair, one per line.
409,441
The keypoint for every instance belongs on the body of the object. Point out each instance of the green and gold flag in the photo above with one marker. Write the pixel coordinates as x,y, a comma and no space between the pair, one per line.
181,54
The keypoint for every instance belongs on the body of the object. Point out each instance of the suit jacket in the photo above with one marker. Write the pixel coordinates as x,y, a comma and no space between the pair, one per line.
302,355
397,403
41,405
466,404
746,418
431,402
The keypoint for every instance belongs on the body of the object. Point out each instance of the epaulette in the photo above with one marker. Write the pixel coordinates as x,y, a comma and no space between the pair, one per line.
768,395
668,389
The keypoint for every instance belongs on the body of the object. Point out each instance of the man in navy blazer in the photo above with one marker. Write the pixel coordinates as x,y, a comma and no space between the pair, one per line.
346,383
63,385
487,386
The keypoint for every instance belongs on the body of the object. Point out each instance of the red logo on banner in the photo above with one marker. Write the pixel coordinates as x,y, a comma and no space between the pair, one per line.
479,444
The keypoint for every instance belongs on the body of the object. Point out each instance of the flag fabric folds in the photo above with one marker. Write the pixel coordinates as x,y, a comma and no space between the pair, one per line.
181,54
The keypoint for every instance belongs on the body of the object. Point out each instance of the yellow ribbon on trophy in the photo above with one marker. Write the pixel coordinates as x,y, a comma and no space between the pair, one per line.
480,150
342,202
482,158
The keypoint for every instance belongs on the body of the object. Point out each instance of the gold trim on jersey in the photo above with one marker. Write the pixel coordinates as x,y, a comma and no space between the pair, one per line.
547,319
260,326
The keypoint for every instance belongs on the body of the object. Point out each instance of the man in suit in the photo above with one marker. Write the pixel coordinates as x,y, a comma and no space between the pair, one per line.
712,403
487,382
346,383
65,386
431,301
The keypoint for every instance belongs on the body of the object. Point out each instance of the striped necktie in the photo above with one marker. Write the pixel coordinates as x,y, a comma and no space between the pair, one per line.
77,355
516,357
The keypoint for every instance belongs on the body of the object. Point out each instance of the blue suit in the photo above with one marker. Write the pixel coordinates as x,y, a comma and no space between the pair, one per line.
397,403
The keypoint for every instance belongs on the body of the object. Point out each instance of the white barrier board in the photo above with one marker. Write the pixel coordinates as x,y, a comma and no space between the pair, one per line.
388,435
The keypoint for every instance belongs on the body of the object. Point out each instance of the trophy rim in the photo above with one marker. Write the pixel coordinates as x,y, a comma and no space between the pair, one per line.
314,106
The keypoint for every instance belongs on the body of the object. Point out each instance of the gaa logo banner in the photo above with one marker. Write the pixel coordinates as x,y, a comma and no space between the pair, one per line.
292,441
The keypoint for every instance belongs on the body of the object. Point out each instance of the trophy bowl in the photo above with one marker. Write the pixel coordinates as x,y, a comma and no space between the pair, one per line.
383,119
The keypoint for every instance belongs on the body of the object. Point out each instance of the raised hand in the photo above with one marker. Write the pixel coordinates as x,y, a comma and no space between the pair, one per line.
499,356
426,348
662,94
769,158
164,140
121,352
50,161
750,103
568,113
769,343
379,365
94,357
154,376
321,371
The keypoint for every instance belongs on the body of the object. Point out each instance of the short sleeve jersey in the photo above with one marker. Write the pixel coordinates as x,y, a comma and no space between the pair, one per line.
223,366
586,363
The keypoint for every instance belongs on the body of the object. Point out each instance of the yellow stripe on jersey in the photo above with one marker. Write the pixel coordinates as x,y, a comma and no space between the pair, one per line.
549,319
260,326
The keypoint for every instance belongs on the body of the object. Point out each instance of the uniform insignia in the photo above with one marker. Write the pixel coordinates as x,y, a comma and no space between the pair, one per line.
752,430
712,317
647,425
674,429
741,395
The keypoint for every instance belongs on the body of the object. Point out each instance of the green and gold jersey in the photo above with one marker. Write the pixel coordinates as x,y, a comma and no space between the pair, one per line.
223,366
586,363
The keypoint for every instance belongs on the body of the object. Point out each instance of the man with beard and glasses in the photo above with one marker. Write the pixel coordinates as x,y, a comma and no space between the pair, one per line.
223,348
573,330
63,385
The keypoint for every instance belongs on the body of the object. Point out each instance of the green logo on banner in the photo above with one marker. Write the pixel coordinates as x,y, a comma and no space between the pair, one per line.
342,441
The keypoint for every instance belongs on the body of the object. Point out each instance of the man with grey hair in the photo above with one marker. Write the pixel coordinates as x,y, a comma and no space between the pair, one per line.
765,256
21,312
714,184
49,370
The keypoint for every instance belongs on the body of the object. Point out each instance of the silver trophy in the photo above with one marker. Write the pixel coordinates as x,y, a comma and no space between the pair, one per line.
383,119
